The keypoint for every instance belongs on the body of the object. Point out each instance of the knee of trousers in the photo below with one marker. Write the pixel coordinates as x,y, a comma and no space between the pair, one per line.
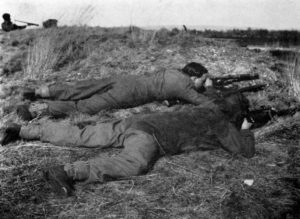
131,165
79,170
141,149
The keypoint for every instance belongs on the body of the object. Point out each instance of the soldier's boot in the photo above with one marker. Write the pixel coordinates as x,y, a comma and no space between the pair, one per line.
10,133
29,112
29,94
24,113
33,94
58,179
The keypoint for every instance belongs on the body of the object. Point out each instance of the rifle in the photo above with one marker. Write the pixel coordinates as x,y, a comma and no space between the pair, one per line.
252,88
259,117
29,24
225,92
251,117
229,79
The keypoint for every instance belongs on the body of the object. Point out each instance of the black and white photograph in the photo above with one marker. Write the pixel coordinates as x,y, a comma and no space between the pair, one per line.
150,109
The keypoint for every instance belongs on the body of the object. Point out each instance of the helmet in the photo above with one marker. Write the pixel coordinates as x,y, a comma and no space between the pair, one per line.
6,16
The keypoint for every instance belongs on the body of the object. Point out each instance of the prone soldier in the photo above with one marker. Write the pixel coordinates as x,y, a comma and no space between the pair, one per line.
8,26
91,96
217,122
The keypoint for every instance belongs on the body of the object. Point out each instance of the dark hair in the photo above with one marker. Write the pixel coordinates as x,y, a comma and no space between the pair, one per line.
233,104
6,16
239,105
194,69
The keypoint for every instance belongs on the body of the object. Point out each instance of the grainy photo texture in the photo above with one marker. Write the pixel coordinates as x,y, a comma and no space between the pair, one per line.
150,109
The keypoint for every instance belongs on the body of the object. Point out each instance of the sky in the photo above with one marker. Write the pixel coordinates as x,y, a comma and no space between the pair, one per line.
270,14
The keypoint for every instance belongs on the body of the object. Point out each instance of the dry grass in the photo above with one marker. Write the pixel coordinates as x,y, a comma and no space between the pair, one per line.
294,76
52,49
42,57
201,184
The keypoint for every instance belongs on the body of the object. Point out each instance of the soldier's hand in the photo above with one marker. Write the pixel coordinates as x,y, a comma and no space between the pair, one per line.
246,124
204,77
208,82
199,82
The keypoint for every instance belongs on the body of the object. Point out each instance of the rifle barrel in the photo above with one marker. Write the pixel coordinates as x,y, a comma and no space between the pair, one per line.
240,77
229,79
252,88
27,23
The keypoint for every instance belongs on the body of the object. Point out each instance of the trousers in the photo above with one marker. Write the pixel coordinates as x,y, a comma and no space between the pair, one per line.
140,152
87,96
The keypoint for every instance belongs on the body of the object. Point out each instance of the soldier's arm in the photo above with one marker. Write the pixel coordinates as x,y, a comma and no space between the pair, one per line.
211,99
17,27
194,97
78,91
235,141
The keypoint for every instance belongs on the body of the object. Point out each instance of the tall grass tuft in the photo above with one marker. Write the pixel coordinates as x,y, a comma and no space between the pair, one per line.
42,56
55,49
294,76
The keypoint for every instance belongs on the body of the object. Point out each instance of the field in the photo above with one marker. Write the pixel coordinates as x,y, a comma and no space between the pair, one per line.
199,184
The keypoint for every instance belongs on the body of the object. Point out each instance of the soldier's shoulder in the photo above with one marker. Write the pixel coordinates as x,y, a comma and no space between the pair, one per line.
175,73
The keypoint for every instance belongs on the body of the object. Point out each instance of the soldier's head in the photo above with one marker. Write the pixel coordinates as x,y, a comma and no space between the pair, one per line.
194,69
196,72
6,17
232,103
238,106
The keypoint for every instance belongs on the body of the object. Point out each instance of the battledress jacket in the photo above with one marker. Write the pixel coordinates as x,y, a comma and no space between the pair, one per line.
9,26
188,129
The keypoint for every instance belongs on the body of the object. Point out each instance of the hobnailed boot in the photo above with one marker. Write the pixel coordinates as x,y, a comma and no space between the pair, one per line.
29,94
60,182
9,134
24,113
33,94
29,112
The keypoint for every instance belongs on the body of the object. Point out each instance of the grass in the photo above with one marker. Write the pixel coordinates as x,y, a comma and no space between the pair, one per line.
294,76
41,58
199,184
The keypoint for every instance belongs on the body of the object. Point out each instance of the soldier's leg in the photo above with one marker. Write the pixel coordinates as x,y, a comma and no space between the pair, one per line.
65,134
56,109
59,109
96,103
87,96
91,105
77,91
139,154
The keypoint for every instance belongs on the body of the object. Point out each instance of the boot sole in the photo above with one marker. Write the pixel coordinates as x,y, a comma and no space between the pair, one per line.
57,185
